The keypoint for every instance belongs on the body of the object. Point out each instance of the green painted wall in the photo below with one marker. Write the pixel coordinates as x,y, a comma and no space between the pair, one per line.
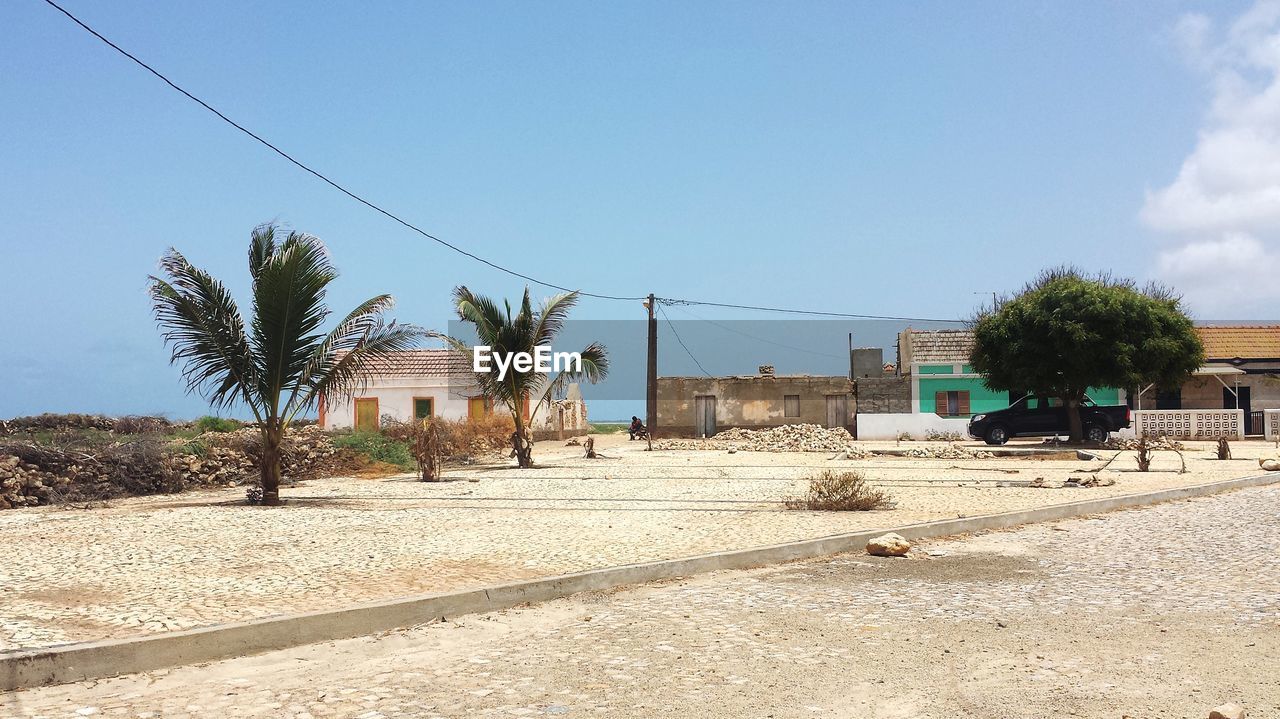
967,369
981,399
936,369
1104,395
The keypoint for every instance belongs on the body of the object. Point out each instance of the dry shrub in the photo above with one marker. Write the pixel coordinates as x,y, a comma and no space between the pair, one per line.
840,492
134,424
475,436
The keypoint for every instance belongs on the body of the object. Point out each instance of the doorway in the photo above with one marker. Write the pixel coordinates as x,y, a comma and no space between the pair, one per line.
704,415
367,414
837,410
1241,395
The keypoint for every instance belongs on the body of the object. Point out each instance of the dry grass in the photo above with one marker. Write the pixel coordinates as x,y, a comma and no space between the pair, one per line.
474,437
841,492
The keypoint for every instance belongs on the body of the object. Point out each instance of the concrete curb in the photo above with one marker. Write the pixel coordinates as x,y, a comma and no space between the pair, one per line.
92,660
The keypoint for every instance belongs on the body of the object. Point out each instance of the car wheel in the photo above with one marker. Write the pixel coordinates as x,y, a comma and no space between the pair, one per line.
997,435
1094,433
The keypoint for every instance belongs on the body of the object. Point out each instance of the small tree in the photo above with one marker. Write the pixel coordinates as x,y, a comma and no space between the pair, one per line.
506,332
1066,332
279,363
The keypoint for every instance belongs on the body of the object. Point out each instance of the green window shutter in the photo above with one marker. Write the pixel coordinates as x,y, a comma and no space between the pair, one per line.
423,408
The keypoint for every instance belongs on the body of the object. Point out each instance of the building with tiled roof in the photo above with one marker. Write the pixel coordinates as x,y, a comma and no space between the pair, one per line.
1252,343
412,385
434,363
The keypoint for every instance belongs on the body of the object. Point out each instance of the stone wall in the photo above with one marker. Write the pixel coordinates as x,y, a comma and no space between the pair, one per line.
883,395
749,402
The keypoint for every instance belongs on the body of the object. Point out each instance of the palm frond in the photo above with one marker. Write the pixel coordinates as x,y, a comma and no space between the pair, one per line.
205,332
347,373
288,300
552,316
262,245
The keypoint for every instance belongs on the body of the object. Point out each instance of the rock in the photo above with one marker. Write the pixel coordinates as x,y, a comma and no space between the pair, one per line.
888,545
1227,711
1269,465
1085,456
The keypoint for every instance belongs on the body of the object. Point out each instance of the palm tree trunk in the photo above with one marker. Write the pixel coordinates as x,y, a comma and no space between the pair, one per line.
272,438
519,442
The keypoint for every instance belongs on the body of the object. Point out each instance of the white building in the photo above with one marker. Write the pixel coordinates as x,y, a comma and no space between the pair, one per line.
416,384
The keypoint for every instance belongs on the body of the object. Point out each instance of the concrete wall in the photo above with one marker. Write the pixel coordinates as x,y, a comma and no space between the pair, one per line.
889,426
867,362
1189,423
749,401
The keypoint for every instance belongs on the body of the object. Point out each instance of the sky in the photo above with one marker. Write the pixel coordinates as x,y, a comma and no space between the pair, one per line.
902,159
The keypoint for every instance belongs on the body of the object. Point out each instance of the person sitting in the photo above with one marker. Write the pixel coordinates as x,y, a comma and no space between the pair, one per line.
636,430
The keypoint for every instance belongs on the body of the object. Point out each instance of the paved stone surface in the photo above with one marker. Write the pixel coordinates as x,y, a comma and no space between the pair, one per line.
1164,611
163,563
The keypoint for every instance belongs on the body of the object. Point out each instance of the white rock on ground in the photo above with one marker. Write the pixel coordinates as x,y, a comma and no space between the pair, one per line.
1227,711
889,545
1269,465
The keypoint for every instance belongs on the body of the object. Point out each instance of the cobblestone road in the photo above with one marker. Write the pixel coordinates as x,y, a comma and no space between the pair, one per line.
155,564
1162,612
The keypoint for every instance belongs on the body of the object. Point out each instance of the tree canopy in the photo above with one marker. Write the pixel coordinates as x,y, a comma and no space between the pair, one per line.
1066,332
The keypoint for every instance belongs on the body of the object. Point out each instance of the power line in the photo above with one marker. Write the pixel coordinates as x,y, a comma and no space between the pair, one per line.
760,339
675,301
396,218
682,344
317,173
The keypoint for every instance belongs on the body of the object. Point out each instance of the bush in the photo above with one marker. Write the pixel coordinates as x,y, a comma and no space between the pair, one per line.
840,492
209,423
378,447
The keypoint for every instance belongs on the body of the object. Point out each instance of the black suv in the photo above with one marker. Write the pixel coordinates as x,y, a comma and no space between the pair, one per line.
1034,416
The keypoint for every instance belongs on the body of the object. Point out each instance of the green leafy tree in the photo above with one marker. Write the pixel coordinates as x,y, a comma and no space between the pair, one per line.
281,363
505,333
1066,332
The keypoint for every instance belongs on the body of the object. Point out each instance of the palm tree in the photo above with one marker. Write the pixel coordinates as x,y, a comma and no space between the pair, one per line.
282,364
506,333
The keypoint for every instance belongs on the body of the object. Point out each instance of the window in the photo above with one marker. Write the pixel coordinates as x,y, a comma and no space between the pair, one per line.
952,404
791,405
424,407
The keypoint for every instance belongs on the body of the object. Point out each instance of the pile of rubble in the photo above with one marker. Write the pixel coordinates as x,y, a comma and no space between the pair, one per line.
784,438
32,474
951,451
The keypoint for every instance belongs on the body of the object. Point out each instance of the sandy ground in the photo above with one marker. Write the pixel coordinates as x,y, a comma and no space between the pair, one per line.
1159,612
161,563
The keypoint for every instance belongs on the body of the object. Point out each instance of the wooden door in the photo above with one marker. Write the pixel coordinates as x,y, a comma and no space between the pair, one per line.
704,415
837,410
367,414
477,407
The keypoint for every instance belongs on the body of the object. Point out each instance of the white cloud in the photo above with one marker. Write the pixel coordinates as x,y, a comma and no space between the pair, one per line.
1223,275
1222,211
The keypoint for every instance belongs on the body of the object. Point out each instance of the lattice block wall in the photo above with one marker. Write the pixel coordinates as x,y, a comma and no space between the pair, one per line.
1271,424
1189,423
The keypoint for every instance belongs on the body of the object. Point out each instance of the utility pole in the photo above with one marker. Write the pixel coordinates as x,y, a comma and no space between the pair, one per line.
651,388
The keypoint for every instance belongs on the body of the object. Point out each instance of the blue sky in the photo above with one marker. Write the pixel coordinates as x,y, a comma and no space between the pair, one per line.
881,158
